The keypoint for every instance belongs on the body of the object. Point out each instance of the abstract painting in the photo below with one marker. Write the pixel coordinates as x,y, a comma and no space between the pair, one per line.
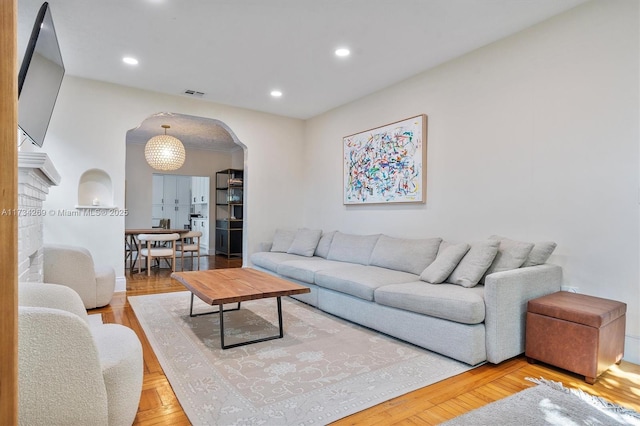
386,164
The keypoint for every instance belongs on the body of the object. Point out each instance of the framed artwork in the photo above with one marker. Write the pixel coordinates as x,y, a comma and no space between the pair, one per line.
387,164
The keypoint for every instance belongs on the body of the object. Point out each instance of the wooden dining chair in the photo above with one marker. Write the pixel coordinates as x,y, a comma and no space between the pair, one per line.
166,249
189,243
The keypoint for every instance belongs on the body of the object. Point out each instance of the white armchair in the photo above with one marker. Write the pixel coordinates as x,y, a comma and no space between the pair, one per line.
73,267
69,372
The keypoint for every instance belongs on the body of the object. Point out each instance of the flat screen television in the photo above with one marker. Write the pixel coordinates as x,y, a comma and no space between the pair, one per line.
39,78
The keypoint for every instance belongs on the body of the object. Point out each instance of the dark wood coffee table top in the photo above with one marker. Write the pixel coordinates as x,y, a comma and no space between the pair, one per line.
221,286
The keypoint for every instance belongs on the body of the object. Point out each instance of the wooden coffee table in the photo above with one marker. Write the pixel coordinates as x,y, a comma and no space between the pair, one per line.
236,285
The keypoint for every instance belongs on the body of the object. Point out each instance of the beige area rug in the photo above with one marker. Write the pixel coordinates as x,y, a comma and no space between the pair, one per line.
322,370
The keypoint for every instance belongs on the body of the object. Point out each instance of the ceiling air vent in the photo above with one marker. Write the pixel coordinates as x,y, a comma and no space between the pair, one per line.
193,93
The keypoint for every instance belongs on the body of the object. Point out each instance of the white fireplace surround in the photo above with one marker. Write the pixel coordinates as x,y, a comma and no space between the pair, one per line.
36,174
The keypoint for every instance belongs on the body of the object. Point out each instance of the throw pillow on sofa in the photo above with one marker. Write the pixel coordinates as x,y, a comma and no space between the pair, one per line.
540,253
305,242
322,250
511,254
404,254
445,263
283,239
475,263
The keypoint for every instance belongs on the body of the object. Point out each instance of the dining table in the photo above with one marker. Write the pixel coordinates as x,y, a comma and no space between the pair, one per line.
132,245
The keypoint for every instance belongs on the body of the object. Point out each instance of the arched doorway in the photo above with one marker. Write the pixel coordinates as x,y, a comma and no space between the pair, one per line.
211,146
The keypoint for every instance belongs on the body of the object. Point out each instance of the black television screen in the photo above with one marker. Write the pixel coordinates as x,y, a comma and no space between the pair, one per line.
40,78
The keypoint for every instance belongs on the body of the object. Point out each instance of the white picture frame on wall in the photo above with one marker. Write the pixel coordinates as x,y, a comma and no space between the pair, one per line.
386,164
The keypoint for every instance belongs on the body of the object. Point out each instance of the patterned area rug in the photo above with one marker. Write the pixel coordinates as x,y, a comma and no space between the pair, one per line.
549,403
322,370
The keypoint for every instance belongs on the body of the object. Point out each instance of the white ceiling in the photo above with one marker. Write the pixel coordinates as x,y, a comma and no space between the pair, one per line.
237,51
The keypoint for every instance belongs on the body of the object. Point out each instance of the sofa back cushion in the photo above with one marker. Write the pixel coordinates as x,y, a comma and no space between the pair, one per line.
352,248
404,254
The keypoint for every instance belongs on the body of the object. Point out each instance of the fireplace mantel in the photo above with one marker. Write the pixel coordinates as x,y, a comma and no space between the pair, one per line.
39,161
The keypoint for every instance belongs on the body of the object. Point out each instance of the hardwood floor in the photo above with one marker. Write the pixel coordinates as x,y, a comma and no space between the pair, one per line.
427,406
158,403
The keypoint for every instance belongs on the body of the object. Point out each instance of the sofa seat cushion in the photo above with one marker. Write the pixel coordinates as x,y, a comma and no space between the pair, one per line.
359,280
270,260
305,269
447,301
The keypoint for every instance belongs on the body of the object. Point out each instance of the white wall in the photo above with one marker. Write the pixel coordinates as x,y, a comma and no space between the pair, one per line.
237,159
534,137
88,130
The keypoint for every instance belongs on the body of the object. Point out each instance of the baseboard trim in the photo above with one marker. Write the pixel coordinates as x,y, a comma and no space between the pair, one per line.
632,349
121,284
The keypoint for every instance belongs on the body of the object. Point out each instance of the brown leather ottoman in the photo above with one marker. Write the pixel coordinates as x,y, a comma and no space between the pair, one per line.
580,333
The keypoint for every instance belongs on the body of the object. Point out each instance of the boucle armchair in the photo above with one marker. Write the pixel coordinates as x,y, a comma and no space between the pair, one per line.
73,267
71,372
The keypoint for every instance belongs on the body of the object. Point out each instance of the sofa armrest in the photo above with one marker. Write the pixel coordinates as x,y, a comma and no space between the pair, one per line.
505,296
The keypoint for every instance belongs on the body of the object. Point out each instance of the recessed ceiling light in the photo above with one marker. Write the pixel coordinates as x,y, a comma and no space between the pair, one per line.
129,60
276,93
342,52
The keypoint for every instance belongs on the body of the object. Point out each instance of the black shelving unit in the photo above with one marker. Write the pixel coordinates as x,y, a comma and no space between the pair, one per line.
229,212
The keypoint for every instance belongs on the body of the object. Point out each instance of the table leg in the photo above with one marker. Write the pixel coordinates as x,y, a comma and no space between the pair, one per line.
128,251
280,317
134,247
264,339
221,326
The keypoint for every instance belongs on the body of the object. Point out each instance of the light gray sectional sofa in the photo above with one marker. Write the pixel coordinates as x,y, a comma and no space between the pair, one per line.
465,301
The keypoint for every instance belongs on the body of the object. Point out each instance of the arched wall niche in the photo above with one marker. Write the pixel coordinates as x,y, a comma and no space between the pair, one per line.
95,190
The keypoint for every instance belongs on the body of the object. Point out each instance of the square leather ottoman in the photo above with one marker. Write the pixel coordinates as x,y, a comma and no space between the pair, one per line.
580,333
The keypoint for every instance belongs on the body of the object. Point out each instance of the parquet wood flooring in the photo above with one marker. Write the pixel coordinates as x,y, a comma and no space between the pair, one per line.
427,406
